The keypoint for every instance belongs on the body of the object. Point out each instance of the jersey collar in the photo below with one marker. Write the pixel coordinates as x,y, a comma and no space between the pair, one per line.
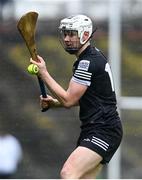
85,51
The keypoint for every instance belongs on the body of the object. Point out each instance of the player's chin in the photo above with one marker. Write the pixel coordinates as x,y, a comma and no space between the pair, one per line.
71,50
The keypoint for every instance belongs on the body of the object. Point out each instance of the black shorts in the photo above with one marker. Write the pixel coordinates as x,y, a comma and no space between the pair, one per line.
103,140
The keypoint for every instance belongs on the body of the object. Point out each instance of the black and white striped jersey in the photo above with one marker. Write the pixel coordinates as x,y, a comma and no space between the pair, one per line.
99,101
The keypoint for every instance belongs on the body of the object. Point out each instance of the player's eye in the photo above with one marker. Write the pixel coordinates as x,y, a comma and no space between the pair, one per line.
69,33
66,33
73,33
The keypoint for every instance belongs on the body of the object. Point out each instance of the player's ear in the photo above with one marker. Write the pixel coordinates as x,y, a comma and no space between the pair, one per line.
85,36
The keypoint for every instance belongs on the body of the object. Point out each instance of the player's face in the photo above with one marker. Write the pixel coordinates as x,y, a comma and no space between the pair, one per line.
71,38
70,41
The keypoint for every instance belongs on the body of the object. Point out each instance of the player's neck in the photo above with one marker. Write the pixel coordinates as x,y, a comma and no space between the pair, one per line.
82,49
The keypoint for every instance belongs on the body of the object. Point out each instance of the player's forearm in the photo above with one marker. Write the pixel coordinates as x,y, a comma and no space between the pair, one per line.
57,91
55,104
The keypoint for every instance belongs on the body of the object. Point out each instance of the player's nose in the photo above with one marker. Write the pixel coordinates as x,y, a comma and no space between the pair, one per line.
67,38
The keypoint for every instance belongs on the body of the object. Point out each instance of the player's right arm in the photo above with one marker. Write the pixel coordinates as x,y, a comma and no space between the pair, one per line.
67,98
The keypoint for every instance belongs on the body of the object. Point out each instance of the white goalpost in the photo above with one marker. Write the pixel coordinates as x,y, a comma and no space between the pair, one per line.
114,52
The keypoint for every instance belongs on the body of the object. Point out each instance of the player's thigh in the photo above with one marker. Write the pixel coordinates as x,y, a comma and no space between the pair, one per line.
81,161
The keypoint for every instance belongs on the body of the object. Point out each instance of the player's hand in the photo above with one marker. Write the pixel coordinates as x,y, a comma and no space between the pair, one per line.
40,63
44,102
47,102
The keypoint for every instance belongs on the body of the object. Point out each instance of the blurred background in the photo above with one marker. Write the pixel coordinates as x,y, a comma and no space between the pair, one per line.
48,138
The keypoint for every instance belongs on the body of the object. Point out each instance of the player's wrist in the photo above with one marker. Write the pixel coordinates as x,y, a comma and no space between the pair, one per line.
44,74
55,103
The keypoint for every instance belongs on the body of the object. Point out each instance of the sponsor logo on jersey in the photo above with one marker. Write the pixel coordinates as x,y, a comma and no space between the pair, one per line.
83,65
87,139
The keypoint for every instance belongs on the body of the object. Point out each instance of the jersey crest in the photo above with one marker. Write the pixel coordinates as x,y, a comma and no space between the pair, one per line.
83,65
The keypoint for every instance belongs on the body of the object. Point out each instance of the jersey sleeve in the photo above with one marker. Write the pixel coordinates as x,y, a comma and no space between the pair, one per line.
83,72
